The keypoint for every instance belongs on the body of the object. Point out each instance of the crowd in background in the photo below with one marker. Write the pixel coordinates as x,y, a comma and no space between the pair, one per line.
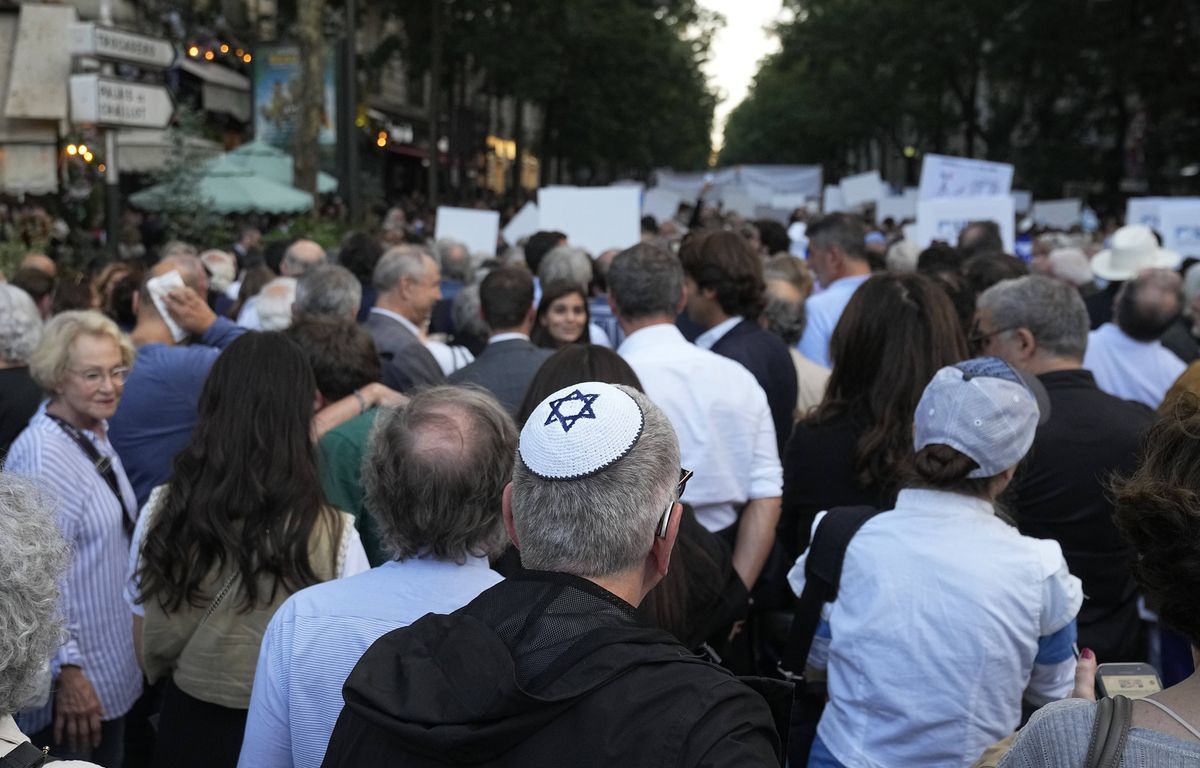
266,458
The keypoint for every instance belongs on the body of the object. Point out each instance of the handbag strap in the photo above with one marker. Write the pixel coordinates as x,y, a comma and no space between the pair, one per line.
1109,733
24,755
822,576
103,466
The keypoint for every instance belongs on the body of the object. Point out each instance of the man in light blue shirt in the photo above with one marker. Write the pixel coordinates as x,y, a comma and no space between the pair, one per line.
434,476
837,255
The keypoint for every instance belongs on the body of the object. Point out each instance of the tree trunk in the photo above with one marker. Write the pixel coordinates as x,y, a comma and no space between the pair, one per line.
311,107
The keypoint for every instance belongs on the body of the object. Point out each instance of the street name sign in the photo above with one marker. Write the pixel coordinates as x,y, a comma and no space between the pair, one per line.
111,44
107,101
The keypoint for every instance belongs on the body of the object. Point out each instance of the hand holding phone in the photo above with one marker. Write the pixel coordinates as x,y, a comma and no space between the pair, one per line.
1133,680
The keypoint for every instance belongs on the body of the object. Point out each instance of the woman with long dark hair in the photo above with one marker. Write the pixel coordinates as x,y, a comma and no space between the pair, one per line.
856,447
241,525
562,316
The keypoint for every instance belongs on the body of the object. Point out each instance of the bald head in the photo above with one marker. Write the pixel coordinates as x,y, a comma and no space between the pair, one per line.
41,262
1147,306
189,267
300,257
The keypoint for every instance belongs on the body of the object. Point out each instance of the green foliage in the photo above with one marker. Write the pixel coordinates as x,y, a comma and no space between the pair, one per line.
618,81
187,215
1052,86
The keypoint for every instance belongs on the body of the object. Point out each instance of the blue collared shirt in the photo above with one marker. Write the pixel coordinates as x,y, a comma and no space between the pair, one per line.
158,410
824,309
99,638
319,634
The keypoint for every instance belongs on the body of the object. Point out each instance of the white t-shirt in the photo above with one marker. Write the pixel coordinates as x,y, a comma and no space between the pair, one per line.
1131,370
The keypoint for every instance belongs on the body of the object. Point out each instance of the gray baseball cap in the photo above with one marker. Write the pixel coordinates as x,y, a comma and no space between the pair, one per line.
983,408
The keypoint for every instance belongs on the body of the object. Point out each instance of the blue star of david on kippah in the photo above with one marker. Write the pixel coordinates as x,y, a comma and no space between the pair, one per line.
567,420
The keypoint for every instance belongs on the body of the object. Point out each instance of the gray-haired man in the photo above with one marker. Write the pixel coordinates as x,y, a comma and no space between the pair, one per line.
1041,326
551,667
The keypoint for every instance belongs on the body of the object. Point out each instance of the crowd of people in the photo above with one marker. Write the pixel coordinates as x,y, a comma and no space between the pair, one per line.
713,499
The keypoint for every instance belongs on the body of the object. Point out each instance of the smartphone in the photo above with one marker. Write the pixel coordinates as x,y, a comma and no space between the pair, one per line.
1134,680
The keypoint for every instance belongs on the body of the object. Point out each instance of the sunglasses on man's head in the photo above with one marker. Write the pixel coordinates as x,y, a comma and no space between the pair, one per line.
684,476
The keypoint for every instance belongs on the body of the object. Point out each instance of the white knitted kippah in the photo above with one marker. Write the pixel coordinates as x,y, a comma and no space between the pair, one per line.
579,430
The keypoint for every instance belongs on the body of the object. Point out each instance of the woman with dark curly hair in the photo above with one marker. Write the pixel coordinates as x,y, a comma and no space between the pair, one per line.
241,525
1158,511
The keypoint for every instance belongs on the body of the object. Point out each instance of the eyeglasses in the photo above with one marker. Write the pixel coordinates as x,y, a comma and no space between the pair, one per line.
684,476
977,338
94,377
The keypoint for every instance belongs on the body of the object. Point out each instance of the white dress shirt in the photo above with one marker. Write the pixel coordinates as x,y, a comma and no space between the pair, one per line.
720,415
823,311
709,338
1129,369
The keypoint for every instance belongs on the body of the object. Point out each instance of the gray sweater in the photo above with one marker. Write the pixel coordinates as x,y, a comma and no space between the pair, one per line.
1057,737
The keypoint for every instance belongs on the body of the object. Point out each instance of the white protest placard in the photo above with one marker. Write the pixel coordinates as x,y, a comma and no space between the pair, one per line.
1148,210
593,218
739,200
1022,200
789,202
897,208
831,200
862,188
1179,225
523,224
662,204
1062,214
473,228
943,176
944,218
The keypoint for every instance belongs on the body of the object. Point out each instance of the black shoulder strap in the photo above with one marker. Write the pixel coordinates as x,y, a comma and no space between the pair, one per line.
103,466
24,755
1107,746
822,574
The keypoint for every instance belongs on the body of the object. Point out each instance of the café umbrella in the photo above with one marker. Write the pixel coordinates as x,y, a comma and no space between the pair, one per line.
271,162
229,186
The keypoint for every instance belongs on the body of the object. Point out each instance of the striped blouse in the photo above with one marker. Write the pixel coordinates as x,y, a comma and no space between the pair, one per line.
99,629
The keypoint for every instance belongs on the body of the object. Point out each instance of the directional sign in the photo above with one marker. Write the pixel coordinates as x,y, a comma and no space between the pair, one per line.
88,39
109,101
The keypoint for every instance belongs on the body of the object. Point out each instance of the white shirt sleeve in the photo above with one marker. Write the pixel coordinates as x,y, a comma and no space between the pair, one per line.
766,471
1062,593
132,586
352,557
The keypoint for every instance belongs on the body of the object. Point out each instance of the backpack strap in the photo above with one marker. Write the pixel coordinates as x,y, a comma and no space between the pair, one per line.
24,755
822,575
1110,731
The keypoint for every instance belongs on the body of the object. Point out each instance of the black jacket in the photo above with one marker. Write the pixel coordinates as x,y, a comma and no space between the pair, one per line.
1059,493
545,670
764,355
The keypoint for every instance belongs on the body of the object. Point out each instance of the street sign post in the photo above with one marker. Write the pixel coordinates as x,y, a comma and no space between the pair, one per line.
110,102
122,46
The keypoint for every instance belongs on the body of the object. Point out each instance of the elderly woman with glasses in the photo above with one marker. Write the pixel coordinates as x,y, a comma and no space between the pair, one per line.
81,363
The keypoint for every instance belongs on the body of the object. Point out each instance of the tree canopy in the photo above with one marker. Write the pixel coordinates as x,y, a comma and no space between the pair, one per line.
1096,92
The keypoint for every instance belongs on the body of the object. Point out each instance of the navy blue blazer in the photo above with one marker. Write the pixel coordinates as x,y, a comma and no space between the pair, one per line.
765,355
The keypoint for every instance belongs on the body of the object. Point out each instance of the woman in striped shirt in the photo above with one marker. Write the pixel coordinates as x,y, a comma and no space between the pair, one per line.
81,362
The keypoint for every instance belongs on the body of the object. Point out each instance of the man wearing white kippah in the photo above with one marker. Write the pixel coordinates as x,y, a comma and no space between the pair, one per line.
552,667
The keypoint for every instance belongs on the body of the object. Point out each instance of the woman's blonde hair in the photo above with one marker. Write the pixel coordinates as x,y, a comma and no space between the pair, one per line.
48,364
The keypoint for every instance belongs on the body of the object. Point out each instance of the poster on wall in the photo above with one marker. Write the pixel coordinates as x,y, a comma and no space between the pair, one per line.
277,93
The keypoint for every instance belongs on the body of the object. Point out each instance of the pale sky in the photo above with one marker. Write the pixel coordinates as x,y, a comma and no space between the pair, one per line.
736,51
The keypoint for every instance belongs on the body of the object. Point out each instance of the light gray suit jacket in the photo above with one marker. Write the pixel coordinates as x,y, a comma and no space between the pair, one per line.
405,361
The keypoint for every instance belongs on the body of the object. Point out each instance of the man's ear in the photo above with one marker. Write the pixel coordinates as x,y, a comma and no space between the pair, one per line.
506,508
660,551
